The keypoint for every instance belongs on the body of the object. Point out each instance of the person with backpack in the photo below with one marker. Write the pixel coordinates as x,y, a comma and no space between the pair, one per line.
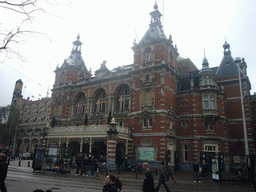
112,184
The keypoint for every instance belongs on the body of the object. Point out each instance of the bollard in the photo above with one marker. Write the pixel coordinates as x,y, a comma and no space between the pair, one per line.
136,172
19,162
8,161
28,163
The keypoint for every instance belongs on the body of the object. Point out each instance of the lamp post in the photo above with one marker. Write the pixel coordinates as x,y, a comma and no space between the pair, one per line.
238,61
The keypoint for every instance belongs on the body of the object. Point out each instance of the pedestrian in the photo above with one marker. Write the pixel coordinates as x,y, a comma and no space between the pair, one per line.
170,172
3,172
162,177
196,172
85,165
112,184
73,161
93,165
43,167
253,179
97,167
148,183
79,161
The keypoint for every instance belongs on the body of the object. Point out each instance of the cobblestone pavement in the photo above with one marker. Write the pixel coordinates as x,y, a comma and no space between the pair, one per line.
130,183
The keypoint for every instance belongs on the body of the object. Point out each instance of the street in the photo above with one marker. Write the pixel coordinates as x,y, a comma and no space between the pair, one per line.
23,179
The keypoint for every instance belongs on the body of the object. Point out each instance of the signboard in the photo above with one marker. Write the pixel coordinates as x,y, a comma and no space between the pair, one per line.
52,151
215,169
146,153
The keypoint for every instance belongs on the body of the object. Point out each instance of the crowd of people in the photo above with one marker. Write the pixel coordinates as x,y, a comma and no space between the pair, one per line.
85,165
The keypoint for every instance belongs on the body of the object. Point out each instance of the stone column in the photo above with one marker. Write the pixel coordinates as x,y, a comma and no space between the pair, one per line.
59,142
81,145
111,153
126,151
67,143
111,145
90,147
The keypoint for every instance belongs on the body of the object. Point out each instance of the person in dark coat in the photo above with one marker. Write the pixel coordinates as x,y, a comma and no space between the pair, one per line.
170,172
196,172
112,184
148,184
3,172
93,165
162,177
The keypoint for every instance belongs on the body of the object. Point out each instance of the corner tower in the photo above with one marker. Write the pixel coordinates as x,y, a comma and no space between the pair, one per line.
155,48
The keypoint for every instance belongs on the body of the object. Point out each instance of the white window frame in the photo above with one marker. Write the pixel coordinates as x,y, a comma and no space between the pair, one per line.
209,101
211,148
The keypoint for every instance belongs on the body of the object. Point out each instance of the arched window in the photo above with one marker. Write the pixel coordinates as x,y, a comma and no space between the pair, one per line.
101,101
148,56
80,107
123,100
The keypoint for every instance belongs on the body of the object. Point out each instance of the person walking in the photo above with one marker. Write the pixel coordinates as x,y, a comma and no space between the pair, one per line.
196,172
170,172
162,177
148,183
3,172
93,165
112,184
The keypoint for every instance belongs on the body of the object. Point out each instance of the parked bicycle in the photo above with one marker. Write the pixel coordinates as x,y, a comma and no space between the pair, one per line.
103,168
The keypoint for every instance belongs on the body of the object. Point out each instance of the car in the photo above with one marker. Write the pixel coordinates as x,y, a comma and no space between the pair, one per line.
26,156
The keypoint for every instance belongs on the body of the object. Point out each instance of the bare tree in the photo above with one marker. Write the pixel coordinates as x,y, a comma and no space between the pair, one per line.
25,10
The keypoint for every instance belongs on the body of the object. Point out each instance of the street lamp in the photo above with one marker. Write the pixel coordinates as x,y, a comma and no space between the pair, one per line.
238,61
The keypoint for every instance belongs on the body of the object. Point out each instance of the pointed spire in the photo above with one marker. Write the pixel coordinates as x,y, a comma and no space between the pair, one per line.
155,6
205,62
226,47
155,17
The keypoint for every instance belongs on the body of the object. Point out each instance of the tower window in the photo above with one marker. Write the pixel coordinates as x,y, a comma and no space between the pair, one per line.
209,102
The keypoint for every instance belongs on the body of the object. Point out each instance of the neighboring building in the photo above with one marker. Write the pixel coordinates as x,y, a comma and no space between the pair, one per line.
161,103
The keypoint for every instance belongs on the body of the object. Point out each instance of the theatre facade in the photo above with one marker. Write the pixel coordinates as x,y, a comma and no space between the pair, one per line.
159,107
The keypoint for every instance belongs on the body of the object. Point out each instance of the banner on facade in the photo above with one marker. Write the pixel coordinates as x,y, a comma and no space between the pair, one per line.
146,153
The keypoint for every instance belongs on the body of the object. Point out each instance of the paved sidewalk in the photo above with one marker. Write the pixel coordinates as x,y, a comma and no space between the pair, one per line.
180,177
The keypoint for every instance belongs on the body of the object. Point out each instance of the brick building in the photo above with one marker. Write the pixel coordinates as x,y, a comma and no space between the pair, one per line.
162,105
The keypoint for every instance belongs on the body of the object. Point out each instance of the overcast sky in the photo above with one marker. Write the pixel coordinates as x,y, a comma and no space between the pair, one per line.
108,28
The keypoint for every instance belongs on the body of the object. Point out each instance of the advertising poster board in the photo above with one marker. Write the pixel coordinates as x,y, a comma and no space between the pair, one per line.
146,153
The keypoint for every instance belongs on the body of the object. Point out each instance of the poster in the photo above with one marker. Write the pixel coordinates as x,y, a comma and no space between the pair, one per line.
146,153
215,169
52,151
